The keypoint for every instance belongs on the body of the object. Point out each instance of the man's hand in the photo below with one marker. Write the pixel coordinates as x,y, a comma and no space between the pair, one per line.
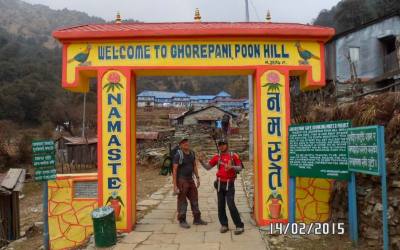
229,165
198,182
201,156
176,190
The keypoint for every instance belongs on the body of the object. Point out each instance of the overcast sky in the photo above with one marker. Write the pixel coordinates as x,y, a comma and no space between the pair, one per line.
302,11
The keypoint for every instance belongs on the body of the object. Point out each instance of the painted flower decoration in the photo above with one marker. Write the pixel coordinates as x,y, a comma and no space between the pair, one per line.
114,78
273,84
113,82
273,77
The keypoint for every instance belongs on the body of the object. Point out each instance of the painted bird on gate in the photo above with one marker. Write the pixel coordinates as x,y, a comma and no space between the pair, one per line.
82,56
304,54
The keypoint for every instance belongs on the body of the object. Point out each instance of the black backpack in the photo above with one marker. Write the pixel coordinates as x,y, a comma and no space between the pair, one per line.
225,119
173,152
166,167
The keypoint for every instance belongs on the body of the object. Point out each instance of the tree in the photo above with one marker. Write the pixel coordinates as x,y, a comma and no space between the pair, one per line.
348,14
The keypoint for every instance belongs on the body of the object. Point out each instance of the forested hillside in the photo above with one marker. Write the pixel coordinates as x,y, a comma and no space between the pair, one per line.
30,65
235,85
36,22
348,14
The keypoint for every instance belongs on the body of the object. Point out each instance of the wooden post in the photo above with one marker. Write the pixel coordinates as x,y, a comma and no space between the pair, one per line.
398,50
46,238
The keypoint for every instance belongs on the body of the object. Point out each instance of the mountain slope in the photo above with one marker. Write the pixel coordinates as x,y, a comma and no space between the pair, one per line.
348,14
36,21
30,69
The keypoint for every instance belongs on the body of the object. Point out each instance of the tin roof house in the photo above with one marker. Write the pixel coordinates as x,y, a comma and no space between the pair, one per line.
11,184
76,151
223,94
163,99
181,99
369,53
229,103
201,100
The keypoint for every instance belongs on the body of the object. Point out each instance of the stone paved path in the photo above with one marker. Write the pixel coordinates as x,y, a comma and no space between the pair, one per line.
159,228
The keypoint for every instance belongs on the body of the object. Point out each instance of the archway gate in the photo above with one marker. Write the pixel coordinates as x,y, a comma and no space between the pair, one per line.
118,53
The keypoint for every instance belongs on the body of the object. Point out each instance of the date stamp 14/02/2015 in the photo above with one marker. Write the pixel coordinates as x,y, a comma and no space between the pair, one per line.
306,229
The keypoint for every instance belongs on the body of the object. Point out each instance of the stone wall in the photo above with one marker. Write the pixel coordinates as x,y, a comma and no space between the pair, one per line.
369,206
381,109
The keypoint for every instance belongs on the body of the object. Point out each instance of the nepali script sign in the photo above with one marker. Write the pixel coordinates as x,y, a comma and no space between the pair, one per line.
43,160
319,150
364,150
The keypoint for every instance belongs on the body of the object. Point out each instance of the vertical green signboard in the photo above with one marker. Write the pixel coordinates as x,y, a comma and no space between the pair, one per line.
366,154
43,160
363,148
319,150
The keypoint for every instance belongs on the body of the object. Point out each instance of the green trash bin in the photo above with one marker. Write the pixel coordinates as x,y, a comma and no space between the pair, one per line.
104,228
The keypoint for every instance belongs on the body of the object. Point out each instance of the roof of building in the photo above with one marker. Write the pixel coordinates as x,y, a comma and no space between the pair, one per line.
205,108
162,94
78,140
174,116
142,135
364,25
170,95
202,97
192,29
13,180
223,94
219,99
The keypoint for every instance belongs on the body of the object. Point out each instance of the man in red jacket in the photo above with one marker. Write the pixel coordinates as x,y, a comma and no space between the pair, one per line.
228,165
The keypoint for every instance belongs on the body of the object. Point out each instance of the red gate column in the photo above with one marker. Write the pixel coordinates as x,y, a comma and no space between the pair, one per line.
271,166
115,162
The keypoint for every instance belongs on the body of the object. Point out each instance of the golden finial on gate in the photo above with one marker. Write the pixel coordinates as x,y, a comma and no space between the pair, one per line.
118,18
197,17
268,17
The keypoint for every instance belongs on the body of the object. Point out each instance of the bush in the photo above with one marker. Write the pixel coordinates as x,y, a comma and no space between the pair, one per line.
25,149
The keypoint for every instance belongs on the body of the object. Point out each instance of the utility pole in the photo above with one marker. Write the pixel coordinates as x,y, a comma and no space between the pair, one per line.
84,115
250,96
247,10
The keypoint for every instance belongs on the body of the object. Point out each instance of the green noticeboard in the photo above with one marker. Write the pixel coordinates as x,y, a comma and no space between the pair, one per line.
364,150
319,150
44,160
39,147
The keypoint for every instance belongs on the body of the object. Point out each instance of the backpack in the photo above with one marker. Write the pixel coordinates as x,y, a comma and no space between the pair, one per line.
225,119
173,152
166,167
181,156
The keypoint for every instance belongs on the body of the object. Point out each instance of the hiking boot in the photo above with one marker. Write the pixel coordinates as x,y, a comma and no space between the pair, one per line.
238,230
200,222
224,229
184,224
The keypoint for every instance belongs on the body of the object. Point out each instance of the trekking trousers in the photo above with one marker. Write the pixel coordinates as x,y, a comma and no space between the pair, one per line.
228,197
187,191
